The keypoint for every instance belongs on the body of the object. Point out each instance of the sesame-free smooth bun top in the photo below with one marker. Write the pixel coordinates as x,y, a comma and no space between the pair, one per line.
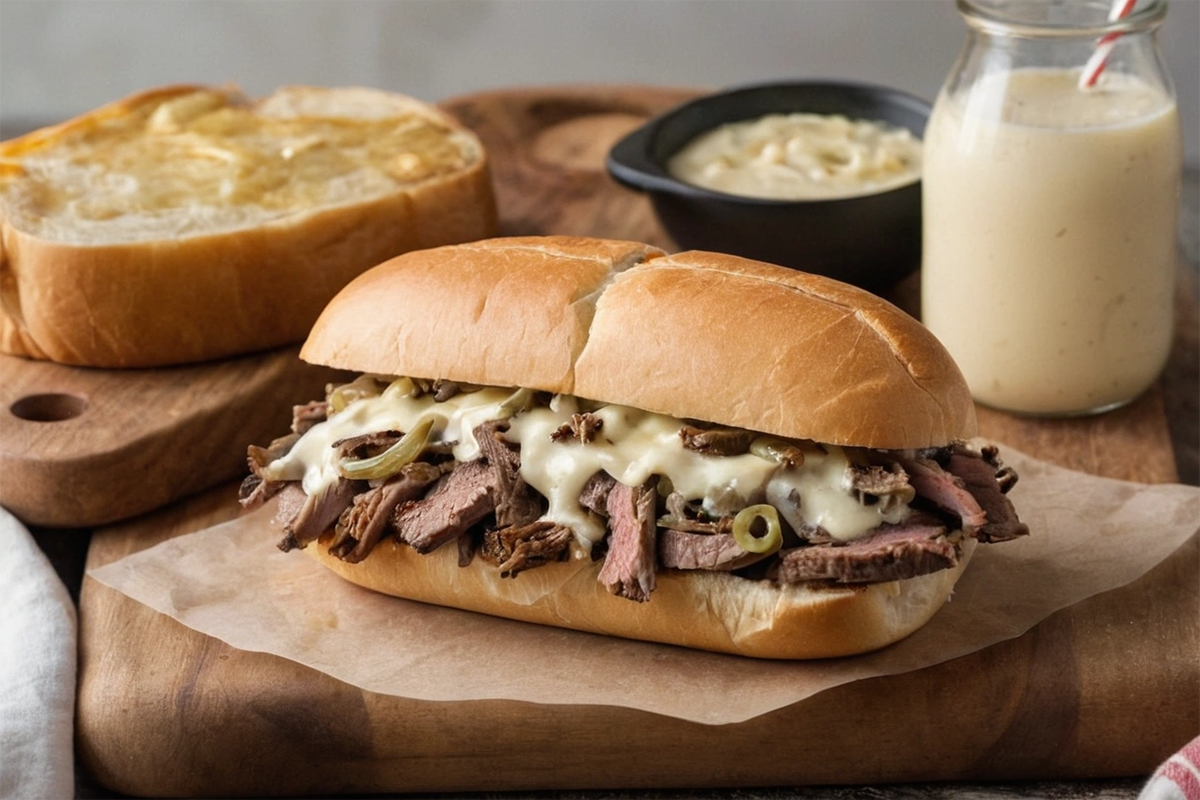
696,335
504,312
756,346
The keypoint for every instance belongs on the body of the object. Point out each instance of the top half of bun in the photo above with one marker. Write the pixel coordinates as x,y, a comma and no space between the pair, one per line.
695,335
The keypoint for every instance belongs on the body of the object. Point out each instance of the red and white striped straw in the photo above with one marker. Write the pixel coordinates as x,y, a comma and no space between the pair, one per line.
1104,47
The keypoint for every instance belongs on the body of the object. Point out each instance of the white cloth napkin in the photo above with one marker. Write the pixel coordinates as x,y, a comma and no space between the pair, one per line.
1178,778
37,671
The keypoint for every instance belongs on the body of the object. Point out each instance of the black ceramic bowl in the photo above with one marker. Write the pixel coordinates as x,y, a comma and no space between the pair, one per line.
870,240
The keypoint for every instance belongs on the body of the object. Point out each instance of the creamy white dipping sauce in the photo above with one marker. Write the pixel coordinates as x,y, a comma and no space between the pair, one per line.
631,446
1049,242
800,157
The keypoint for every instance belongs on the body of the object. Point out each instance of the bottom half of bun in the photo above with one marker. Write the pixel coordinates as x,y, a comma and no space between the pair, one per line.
714,611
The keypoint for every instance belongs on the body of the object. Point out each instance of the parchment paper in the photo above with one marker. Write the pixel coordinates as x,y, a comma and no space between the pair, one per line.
1089,535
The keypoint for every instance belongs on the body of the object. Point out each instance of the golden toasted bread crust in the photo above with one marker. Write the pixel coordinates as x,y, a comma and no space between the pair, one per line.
694,335
79,294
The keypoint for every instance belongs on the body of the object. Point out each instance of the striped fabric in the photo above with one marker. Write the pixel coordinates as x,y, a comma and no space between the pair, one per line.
1178,778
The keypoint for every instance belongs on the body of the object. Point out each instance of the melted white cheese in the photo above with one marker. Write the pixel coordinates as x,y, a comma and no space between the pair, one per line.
800,157
631,446
313,460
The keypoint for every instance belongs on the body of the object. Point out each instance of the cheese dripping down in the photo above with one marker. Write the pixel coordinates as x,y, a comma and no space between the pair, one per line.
631,446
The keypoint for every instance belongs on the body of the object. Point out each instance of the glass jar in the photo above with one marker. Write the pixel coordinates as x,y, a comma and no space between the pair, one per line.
1050,209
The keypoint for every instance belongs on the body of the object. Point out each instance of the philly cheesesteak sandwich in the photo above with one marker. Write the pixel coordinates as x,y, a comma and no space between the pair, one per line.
694,449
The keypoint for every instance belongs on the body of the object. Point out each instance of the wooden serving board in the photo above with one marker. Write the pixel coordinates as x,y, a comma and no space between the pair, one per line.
82,447
1104,688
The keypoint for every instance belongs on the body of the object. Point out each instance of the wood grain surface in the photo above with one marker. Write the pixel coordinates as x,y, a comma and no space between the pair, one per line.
1104,688
82,447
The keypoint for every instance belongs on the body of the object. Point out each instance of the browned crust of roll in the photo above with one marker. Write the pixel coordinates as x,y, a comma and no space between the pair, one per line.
695,335
502,312
705,610
715,337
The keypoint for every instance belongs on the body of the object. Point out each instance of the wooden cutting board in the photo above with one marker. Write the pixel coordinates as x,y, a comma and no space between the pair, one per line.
1104,688
82,447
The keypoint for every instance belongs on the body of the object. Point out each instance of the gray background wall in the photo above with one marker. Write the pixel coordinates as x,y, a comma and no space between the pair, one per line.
61,57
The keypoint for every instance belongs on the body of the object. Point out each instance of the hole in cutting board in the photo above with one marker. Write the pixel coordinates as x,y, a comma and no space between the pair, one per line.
49,407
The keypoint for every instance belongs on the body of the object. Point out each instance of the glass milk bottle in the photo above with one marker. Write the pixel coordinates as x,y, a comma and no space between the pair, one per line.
1050,206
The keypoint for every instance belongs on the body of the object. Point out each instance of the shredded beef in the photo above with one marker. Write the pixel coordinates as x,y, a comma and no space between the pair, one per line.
594,496
583,427
318,514
456,502
515,502
521,547
485,506
255,489
716,441
944,490
983,481
308,415
364,523
891,552
629,566
291,500
490,485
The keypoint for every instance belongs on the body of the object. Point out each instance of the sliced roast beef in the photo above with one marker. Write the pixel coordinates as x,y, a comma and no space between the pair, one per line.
983,481
521,547
363,524
629,565
255,489
716,441
583,427
514,501
291,500
717,551
891,552
456,502
945,491
318,513
308,415
594,496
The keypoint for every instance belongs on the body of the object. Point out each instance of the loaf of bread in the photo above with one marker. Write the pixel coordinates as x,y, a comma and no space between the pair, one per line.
191,223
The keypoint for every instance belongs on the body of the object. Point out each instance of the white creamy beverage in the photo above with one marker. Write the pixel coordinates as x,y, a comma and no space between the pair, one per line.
1049,237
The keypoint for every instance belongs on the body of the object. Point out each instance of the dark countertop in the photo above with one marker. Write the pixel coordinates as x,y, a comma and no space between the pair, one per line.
67,551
